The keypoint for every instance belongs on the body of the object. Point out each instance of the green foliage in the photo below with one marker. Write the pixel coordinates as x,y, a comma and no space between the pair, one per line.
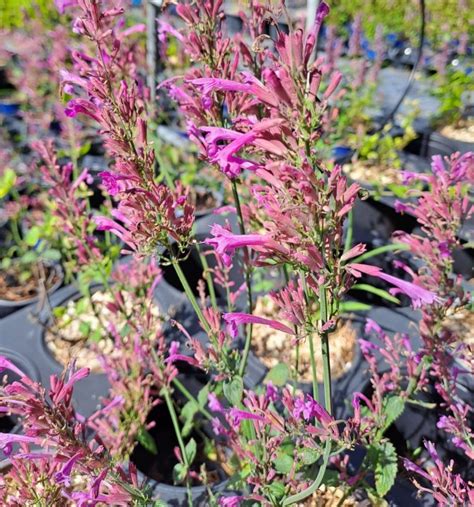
383,459
278,375
450,93
146,440
14,13
233,391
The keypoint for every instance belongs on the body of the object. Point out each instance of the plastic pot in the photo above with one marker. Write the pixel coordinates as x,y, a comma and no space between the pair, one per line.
9,423
157,469
8,307
437,138
25,336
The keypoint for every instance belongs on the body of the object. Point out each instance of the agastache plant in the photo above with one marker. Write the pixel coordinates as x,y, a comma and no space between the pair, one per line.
441,210
55,448
301,204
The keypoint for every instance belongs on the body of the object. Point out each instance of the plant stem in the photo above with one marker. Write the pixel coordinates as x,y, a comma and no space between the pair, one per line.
177,383
311,489
190,296
182,447
210,283
311,343
325,351
350,231
248,282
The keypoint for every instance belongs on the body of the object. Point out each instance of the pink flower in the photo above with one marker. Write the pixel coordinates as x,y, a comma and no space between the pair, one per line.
225,242
238,415
236,319
417,294
82,106
6,364
214,403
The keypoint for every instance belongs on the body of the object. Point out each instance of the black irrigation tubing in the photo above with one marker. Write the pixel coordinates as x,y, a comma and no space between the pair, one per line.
421,43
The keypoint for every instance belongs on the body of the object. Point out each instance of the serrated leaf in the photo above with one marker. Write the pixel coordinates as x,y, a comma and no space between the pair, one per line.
146,440
393,408
278,375
191,449
283,463
384,461
233,391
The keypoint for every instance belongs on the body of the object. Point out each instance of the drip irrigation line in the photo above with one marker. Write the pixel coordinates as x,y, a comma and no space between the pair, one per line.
421,41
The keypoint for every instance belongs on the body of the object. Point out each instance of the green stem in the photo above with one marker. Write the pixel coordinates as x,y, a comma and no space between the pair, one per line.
325,351
248,282
350,231
182,447
177,383
317,482
207,274
311,342
190,296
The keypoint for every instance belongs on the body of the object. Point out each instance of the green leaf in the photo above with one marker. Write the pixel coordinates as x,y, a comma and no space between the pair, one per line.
29,257
233,391
309,455
52,254
278,375
191,449
393,408
146,440
380,250
33,236
283,463
179,473
187,415
7,181
276,489
202,396
378,292
384,461
353,306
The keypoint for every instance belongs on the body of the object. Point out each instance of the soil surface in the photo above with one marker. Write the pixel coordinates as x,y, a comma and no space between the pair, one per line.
84,336
464,133
330,496
273,347
362,171
14,287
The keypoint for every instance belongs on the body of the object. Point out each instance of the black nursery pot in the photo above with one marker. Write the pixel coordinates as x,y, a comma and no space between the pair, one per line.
157,469
9,423
455,145
23,334
8,307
